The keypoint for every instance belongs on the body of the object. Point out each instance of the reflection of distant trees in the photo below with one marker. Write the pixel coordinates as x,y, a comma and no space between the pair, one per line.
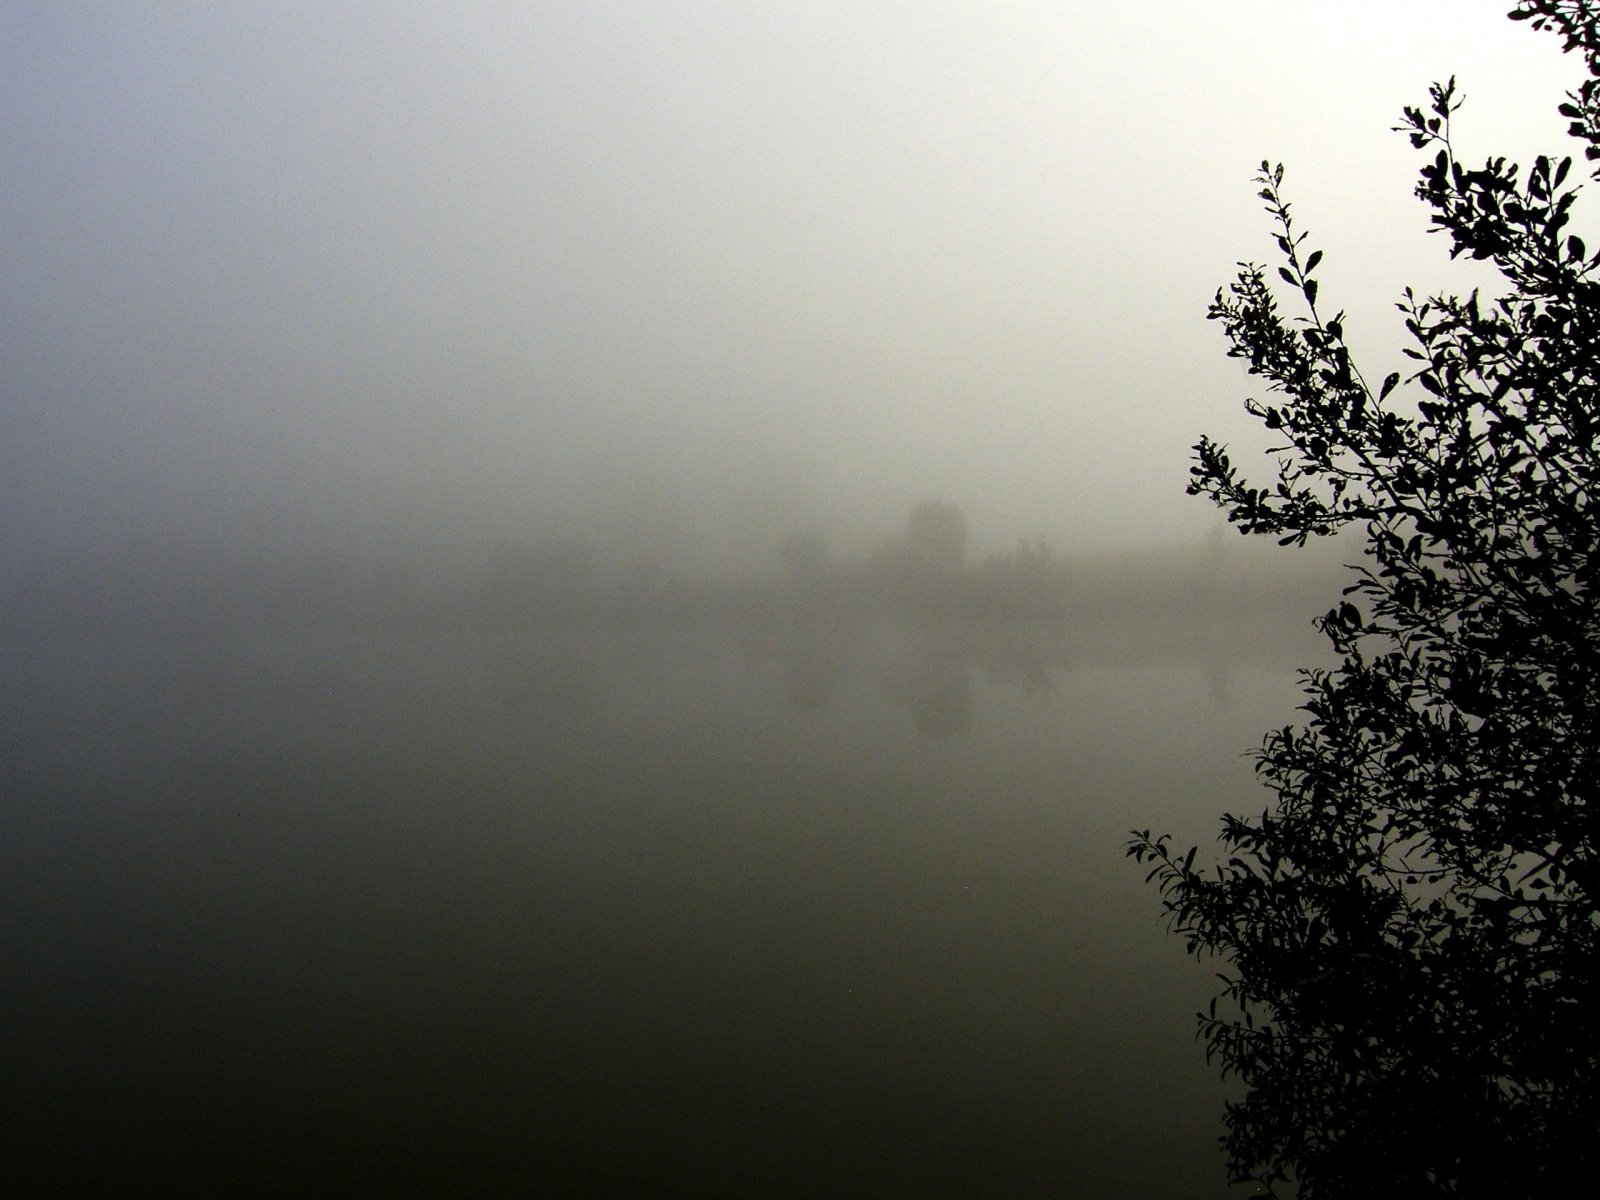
938,693
942,706
1014,661
924,668
921,575
817,663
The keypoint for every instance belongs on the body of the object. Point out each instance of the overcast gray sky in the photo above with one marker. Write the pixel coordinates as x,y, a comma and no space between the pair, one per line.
328,271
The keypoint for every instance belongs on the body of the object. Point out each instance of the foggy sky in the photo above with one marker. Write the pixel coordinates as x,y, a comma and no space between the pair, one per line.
688,274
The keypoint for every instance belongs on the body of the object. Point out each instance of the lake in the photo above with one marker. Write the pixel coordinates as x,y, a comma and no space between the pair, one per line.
826,909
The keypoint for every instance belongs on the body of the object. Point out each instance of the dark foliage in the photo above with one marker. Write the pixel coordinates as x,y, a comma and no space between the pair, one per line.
1410,934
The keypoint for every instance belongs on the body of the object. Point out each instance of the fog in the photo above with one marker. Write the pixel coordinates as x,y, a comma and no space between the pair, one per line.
419,275
590,591
578,885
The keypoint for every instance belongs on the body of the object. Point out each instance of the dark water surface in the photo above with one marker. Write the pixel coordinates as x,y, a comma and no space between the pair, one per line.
821,912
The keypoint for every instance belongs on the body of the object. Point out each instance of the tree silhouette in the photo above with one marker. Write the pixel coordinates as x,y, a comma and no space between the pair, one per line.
1409,933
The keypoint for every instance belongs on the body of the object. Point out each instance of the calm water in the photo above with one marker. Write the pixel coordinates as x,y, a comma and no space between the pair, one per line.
822,912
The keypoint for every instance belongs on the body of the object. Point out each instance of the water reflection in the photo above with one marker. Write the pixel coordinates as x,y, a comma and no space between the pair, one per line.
922,668
552,681
915,670
766,907
1016,661
819,661
935,689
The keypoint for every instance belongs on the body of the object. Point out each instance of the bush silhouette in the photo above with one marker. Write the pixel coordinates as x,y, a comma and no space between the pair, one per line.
1408,934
